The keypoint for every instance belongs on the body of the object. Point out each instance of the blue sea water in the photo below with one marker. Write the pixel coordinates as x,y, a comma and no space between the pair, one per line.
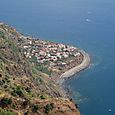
88,24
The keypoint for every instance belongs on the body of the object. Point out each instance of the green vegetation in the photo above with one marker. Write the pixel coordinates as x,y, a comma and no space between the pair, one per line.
33,59
48,107
42,97
2,82
1,34
17,92
35,108
6,112
28,89
5,102
44,70
13,106
7,79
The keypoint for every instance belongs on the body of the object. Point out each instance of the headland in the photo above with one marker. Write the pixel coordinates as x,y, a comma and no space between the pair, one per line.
30,69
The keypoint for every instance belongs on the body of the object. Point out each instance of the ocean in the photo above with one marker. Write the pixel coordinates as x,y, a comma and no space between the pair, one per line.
87,24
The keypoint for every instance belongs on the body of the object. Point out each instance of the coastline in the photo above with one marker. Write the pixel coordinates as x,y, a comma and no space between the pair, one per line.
67,93
71,72
67,103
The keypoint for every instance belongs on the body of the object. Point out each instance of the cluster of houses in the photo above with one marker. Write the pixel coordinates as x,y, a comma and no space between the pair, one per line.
45,51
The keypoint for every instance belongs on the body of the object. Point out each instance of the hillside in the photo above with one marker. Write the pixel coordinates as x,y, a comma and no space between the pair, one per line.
24,88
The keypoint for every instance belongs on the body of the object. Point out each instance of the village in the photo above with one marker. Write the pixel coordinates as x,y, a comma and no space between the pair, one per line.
47,51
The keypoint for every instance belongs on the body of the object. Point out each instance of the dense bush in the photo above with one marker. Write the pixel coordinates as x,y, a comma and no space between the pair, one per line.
5,102
17,91
35,108
48,107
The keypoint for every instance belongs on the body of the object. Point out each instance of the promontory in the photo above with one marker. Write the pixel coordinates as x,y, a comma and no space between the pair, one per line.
31,71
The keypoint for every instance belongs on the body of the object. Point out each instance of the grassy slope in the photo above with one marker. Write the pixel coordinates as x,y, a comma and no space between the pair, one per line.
23,89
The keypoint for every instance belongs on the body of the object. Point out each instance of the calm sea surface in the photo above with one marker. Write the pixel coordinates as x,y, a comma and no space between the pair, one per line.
88,24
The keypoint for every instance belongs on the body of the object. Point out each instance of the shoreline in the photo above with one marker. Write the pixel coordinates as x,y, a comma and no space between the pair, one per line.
67,93
71,72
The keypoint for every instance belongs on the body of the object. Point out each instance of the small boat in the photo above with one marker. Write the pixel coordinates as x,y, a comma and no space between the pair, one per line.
88,20
109,110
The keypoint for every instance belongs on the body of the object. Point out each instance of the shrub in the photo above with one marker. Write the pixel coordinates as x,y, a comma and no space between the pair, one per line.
14,106
40,80
7,79
1,83
13,93
5,102
42,97
17,91
1,34
28,89
35,108
48,107
5,86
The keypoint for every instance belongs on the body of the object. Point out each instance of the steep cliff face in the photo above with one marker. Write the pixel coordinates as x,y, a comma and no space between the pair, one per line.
23,88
